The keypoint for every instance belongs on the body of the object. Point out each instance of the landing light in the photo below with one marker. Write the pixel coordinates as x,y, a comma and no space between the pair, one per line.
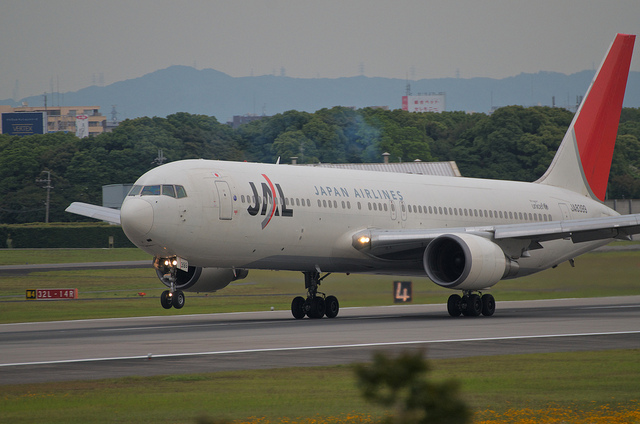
364,239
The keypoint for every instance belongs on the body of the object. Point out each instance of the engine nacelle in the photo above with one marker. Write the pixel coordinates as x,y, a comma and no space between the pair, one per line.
198,279
466,262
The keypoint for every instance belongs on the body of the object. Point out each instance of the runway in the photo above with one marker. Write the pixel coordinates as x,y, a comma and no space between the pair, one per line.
95,349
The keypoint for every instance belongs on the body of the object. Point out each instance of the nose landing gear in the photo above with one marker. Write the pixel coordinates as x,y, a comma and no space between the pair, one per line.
317,304
172,297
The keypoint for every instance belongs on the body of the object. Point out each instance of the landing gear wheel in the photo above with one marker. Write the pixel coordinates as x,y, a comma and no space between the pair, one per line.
488,305
453,305
165,299
316,308
474,306
178,299
331,307
297,307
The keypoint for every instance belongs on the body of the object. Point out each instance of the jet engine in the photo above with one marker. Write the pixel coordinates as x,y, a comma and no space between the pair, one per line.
466,262
198,279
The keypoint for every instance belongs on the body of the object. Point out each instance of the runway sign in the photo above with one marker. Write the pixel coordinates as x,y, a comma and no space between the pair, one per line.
52,294
402,291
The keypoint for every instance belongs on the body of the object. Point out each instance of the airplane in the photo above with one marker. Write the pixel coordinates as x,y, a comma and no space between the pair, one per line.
207,223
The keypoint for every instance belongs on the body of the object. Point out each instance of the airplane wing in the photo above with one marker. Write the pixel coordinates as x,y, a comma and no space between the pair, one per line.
399,244
94,211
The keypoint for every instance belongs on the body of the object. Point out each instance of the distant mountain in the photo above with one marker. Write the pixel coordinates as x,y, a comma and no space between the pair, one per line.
213,93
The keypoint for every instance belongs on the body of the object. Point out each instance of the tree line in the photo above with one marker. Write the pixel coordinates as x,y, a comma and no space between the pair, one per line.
514,143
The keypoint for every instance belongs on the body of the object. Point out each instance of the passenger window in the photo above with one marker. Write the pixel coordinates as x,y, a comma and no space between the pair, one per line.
135,190
168,190
153,190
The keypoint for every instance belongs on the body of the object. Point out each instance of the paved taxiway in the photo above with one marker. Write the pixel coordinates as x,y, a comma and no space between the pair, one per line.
91,349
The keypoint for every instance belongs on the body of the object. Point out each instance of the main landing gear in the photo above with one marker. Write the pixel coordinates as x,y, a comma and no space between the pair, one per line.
471,304
172,297
317,304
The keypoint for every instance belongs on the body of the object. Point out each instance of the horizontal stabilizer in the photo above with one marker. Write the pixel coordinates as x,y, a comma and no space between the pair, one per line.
94,211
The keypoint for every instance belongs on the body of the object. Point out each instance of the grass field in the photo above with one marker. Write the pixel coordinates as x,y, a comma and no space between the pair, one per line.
584,387
580,387
116,293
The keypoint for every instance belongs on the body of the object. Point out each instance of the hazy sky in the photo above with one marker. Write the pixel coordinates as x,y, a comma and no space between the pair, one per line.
73,44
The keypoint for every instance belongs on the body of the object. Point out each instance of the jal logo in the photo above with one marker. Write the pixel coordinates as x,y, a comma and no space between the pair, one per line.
271,203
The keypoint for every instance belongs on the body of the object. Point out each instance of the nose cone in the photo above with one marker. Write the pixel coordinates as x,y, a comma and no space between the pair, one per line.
136,217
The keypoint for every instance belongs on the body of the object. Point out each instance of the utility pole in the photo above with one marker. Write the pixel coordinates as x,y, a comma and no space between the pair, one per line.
48,187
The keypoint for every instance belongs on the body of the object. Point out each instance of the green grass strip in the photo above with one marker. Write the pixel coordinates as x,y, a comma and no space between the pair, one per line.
511,388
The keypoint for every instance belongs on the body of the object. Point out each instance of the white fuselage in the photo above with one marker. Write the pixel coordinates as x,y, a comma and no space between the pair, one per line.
229,218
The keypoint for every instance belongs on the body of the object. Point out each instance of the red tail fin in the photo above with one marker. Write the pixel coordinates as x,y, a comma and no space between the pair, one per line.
594,127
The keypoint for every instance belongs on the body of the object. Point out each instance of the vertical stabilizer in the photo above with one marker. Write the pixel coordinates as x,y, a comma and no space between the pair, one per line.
583,160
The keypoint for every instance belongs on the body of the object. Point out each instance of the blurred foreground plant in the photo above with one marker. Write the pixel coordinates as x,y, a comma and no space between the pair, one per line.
401,383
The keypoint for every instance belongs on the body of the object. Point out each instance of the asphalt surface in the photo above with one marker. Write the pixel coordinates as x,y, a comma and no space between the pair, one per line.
96,349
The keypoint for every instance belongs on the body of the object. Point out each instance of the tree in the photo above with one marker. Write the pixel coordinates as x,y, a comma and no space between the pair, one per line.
400,383
294,144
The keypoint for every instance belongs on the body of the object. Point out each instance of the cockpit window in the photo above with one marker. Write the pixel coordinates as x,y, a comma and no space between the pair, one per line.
175,191
135,190
181,192
168,190
153,190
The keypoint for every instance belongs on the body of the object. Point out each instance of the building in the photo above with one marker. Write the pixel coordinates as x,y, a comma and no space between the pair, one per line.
244,119
67,118
447,169
430,102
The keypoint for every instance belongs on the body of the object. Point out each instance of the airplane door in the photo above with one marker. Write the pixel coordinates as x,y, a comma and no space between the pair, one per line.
565,211
394,211
403,210
226,202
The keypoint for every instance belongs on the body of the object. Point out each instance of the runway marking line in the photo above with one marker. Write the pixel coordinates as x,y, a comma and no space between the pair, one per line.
302,348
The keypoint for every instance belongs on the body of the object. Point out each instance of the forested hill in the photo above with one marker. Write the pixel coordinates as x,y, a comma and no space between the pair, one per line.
512,143
213,93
